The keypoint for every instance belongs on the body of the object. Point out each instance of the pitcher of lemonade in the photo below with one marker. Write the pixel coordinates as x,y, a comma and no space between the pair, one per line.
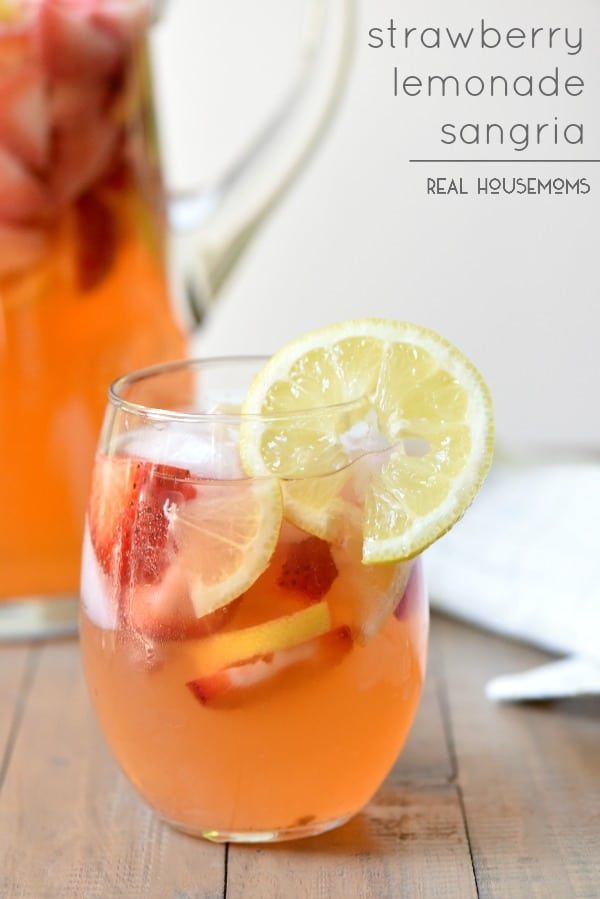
95,255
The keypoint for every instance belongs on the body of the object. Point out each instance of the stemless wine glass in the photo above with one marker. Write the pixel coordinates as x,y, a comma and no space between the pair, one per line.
254,681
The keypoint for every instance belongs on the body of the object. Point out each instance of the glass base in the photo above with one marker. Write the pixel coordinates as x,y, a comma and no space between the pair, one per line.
263,836
38,618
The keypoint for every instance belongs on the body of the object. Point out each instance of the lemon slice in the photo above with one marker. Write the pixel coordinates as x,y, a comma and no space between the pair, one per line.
225,538
373,383
219,651
316,505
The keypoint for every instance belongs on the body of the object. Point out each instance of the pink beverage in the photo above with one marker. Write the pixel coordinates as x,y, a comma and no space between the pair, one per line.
278,712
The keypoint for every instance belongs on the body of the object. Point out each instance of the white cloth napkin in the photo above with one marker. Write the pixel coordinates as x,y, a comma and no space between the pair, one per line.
525,562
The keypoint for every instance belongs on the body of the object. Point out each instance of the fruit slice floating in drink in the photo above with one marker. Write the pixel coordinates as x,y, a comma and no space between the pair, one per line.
242,680
225,538
309,568
241,646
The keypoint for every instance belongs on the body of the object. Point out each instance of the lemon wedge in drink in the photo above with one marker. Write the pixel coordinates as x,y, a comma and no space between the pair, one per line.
409,396
219,651
225,538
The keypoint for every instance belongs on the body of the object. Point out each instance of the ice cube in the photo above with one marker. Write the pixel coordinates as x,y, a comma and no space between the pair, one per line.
364,437
207,452
96,592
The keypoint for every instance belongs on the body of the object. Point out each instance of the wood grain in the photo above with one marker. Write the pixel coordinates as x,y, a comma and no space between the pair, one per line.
529,775
409,842
71,826
17,664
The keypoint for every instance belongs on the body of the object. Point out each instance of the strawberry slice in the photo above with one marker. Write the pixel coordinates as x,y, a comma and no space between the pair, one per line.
20,247
72,46
309,568
72,104
81,155
97,240
148,525
15,49
24,116
145,548
116,486
243,680
128,522
164,610
22,197
127,22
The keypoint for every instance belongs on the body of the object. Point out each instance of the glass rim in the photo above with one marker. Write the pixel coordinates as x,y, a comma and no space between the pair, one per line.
158,413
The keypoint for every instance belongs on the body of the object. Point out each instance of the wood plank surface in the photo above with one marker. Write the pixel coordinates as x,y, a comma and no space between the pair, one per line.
17,665
409,841
70,825
485,801
529,775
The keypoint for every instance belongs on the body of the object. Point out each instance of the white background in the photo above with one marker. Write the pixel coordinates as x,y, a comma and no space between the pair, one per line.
513,281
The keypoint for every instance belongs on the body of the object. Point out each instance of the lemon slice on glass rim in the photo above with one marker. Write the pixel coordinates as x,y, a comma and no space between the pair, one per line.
398,380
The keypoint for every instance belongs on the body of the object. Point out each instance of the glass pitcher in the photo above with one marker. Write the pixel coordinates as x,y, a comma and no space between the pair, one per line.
101,270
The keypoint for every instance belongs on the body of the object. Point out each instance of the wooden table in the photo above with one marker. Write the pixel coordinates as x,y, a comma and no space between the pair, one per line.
486,801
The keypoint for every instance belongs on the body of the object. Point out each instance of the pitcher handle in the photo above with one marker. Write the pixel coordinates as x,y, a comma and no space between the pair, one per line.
211,225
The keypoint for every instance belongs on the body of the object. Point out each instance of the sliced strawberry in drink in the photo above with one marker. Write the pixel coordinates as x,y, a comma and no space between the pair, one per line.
24,125
72,46
82,155
149,531
23,199
128,522
244,679
116,485
149,535
20,247
170,479
148,526
97,240
309,568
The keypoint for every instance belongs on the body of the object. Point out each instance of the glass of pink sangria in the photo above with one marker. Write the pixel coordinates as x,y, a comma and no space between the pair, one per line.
254,615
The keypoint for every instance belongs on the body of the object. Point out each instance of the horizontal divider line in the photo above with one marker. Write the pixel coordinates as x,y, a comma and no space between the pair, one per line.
522,161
